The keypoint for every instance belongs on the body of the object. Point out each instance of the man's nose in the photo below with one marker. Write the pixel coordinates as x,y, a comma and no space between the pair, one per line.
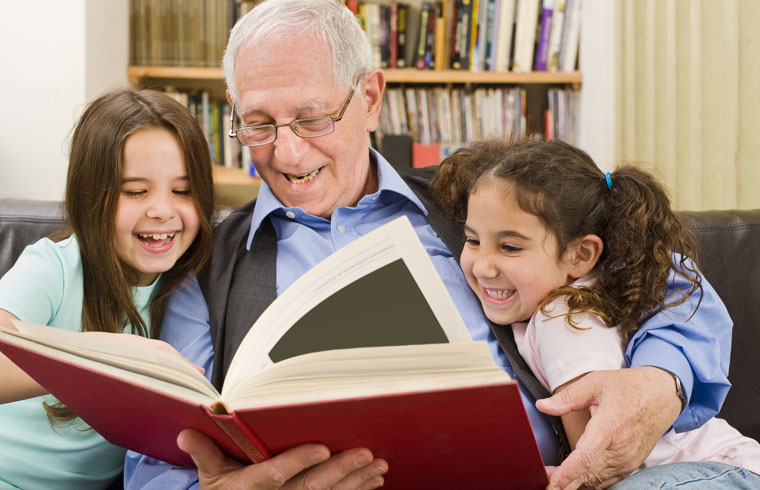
289,147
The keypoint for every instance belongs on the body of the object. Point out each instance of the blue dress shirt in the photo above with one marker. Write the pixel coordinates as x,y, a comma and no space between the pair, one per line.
697,351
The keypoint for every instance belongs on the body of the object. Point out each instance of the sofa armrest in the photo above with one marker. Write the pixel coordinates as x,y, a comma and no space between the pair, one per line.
23,222
729,257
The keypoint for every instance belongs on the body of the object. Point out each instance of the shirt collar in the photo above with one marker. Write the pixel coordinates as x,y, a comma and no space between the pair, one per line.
389,181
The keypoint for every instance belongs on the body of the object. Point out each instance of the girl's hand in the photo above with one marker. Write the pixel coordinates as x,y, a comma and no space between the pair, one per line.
15,384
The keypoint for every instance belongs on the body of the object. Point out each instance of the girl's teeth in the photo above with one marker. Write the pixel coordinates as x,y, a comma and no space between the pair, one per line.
157,236
301,179
498,293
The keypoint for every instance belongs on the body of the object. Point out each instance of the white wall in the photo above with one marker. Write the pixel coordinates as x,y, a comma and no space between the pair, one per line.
597,118
55,57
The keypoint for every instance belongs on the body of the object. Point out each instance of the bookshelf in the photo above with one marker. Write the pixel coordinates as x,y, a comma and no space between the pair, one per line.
483,93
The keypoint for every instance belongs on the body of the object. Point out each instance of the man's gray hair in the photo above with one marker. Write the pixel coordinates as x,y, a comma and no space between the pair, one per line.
328,20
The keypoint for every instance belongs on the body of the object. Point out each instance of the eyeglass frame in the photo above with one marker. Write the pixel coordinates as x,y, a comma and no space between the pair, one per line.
233,132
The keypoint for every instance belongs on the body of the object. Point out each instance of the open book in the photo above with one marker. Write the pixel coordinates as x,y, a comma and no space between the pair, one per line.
419,393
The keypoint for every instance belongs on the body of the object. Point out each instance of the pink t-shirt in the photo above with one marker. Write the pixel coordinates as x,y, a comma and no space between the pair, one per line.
557,353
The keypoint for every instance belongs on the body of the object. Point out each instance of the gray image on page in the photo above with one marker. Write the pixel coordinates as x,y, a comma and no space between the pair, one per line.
385,307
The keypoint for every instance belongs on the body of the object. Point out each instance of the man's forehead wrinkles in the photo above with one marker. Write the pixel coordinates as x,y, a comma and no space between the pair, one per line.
246,111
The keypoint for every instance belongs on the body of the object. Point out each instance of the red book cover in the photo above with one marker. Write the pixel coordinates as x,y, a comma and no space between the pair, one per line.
425,155
353,6
470,437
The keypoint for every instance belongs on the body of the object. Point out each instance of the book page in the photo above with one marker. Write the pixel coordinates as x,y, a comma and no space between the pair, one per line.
369,371
113,350
381,289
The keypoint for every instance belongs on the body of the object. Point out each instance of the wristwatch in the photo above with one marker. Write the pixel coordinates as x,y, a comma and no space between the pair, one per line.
679,391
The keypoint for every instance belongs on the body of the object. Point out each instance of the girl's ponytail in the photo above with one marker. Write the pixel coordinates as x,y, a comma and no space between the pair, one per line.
644,242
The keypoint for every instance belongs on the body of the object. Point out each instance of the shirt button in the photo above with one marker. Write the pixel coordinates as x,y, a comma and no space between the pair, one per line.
341,228
290,214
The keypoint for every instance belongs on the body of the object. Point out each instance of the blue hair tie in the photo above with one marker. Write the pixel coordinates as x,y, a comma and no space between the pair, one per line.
609,180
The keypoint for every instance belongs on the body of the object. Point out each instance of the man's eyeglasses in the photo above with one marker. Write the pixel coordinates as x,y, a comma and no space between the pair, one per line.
308,127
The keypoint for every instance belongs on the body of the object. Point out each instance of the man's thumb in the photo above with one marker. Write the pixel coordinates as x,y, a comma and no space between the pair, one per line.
576,396
206,455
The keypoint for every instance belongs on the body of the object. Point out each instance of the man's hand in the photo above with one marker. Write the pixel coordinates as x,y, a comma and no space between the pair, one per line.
630,410
307,466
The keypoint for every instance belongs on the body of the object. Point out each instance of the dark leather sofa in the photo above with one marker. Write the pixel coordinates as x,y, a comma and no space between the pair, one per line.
730,259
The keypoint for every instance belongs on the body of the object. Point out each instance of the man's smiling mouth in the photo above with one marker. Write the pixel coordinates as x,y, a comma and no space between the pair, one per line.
302,179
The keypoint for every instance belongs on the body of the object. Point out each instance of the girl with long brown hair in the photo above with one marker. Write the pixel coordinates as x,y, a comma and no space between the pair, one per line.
139,200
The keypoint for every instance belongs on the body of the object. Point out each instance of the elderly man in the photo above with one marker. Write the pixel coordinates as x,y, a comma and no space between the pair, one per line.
299,77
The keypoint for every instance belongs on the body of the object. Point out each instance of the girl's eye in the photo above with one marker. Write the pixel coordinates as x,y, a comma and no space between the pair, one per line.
471,242
182,192
511,249
129,193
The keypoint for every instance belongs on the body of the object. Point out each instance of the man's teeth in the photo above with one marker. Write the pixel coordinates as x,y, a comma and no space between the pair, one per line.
499,293
301,179
157,236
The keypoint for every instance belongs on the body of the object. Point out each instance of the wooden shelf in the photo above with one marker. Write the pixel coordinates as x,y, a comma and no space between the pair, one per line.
234,187
406,75
412,75
233,176
136,73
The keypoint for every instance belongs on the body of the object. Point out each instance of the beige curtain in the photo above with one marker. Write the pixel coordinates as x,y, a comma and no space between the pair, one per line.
688,97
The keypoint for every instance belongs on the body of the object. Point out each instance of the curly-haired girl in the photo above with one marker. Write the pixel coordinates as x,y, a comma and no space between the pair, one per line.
576,261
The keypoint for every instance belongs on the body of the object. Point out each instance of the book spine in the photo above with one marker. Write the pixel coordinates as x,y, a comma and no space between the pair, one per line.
493,35
402,26
241,435
431,35
439,49
474,23
353,6
555,40
458,33
505,33
393,34
542,55
451,48
385,36
419,61
569,47
372,29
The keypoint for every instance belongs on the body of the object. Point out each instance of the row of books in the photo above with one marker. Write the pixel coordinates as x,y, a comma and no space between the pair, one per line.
213,114
559,123
475,35
182,32
459,115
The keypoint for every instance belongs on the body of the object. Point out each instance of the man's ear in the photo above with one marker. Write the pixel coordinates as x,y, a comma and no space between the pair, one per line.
372,94
583,254
229,97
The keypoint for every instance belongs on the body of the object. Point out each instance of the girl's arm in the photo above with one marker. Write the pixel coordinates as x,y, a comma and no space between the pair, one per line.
574,422
16,384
